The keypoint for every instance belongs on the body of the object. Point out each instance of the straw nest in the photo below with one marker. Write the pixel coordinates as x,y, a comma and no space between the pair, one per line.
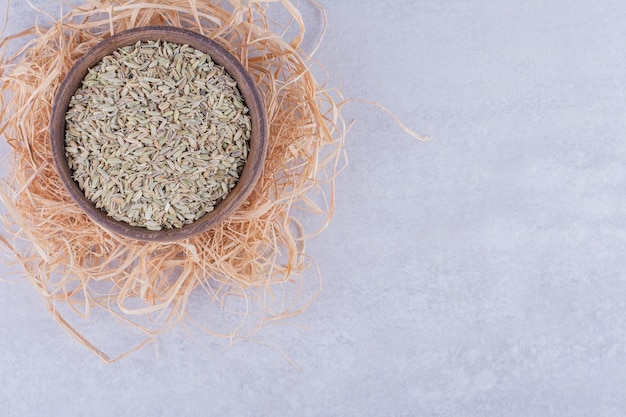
256,257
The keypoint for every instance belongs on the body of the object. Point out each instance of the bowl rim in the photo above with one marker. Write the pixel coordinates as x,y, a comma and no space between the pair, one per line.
247,87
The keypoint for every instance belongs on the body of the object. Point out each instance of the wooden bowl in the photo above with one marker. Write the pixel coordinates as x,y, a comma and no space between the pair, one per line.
257,145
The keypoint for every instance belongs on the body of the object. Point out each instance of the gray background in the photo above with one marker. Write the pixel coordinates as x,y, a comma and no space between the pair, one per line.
480,273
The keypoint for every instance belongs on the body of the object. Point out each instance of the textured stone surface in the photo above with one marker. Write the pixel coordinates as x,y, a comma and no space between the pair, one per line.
478,274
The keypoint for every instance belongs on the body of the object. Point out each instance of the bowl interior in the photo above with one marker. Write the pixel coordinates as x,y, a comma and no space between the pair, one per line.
257,144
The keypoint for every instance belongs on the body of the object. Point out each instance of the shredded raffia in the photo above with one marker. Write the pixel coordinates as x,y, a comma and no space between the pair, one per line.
257,256
72,261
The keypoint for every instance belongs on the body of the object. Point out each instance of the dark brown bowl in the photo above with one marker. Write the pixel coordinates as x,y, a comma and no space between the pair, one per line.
258,138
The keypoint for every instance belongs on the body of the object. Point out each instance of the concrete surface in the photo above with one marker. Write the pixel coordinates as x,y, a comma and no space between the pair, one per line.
481,273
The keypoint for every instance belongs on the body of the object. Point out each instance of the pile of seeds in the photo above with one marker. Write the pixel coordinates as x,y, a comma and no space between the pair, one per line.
157,135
